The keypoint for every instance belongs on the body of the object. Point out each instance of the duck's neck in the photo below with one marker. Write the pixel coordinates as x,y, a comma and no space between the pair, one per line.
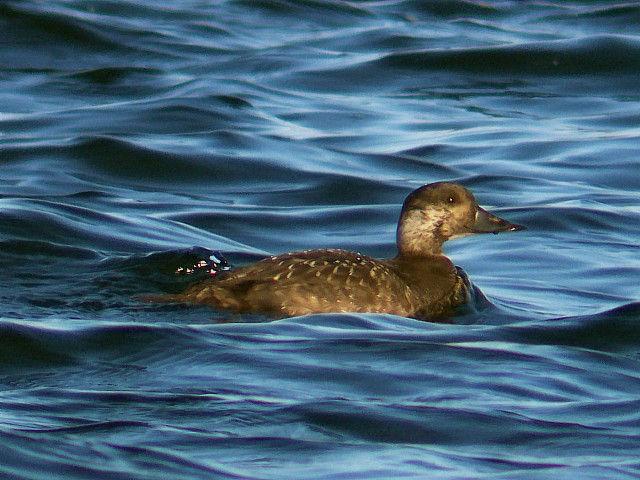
420,248
417,236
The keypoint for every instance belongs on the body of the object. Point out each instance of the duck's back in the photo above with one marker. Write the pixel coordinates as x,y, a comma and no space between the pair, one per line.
306,282
317,281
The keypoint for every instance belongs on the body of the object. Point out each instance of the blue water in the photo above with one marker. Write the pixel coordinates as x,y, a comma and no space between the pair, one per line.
133,131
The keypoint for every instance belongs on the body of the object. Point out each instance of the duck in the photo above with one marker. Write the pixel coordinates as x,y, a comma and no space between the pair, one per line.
418,282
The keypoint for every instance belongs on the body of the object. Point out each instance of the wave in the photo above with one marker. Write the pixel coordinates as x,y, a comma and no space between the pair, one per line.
613,15
72,37
29,343
117,75
330,10
35,248
452,8
601,55
617,329
56,27
575,218
26,454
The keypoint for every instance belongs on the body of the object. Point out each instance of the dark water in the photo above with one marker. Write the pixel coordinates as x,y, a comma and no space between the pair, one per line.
132,131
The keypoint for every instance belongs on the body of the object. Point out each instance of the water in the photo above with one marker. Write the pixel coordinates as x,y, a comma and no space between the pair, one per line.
131,132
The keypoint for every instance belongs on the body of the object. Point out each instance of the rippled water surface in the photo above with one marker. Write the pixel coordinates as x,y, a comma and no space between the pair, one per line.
137,136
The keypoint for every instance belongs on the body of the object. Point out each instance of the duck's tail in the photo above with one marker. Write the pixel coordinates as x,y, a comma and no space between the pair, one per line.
209,265
212,265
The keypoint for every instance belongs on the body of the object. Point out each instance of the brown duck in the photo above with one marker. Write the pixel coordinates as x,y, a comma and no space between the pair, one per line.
419,282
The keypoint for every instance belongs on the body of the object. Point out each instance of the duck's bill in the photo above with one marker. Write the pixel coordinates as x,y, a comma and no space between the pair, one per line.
488,223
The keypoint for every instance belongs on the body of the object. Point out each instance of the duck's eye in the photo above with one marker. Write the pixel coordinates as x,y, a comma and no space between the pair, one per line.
451,200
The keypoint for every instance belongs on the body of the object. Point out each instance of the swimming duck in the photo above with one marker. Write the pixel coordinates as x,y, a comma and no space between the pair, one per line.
419,282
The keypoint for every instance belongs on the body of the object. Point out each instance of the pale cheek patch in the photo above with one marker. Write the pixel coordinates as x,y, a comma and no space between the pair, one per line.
432,221
419,225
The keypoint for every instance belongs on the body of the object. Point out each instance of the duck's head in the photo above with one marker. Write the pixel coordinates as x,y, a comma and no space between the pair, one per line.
437,212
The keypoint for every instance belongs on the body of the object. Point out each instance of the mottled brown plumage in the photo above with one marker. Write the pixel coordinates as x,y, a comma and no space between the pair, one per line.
419,282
